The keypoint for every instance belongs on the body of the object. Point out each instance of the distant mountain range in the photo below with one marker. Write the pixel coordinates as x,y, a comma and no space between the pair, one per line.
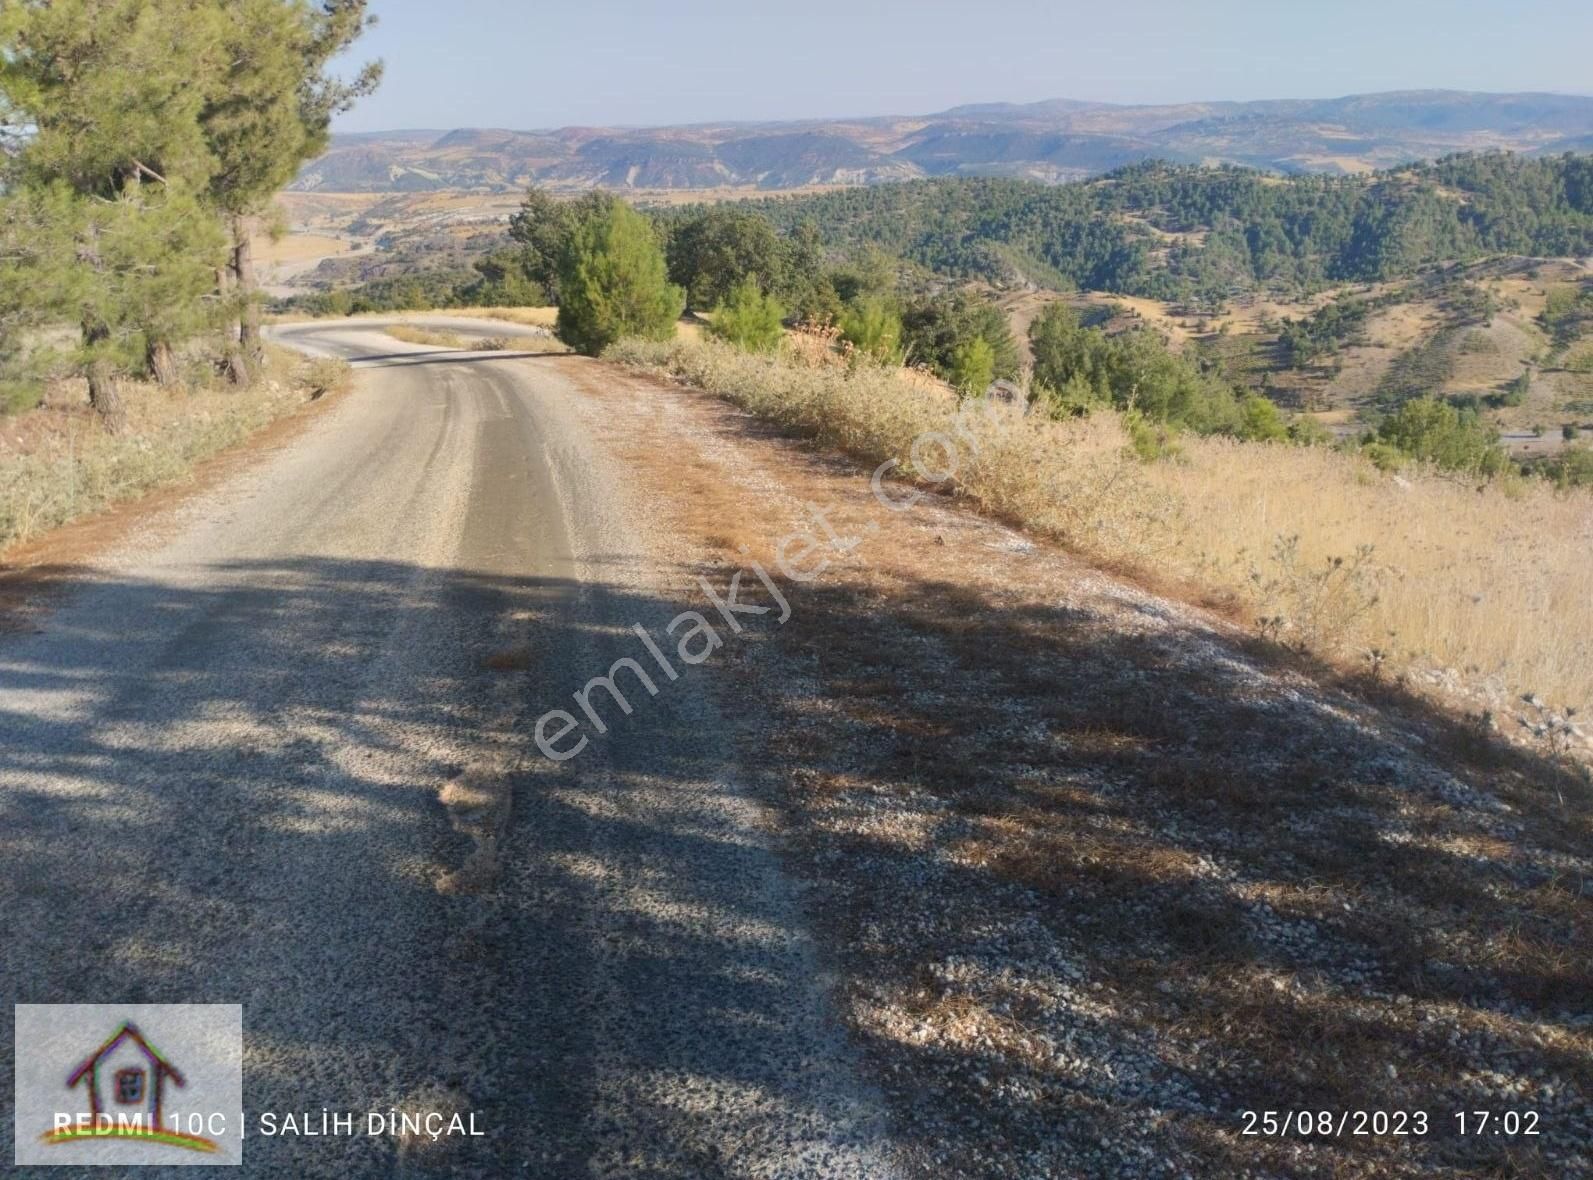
1055,140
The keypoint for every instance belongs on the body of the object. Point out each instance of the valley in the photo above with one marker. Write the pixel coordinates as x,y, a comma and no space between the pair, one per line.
1324,305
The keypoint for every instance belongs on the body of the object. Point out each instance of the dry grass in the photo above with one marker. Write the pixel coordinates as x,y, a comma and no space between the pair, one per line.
297,247
58,463
541,317
419,334
1484,590
1489,584
413,334
534,317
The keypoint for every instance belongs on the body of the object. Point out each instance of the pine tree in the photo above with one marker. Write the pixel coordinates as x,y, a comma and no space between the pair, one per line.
749,319
544,225
612,283
104,186
714,252
973,367
267,111
873,327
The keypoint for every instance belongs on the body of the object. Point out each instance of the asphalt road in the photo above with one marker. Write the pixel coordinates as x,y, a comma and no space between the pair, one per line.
219,765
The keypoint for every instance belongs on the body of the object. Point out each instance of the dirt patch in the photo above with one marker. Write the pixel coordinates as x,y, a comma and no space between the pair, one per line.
478,803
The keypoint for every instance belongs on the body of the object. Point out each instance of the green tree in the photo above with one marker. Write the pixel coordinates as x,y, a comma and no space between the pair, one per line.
719,249
749,319
936,328
871,274
613,283
268,110
1135,371
107,87
543,227
873,327
1305,431
1062,354
1571,468
108,174
502,283
1261,420
811,294
973,367
1438,433
128,271
141,109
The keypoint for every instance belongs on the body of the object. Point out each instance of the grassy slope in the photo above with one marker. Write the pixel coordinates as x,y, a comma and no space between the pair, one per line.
1481,593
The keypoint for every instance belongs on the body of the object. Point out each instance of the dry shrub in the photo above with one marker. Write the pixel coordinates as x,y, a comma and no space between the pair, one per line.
1484,587
323,375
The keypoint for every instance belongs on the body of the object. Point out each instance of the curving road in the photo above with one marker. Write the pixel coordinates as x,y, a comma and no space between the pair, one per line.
220,758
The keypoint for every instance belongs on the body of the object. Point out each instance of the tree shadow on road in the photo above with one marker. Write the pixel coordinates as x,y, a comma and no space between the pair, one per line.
1098,890
224,789
1113,883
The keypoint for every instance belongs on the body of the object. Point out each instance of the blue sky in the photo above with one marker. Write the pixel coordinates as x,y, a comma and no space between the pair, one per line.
508,63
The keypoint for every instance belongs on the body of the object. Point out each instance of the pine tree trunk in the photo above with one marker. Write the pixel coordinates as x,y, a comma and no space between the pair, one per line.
105,395
233,361
243,269
162,364
104,390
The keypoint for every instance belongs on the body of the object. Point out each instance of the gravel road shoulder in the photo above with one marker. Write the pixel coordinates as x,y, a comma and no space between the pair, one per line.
1098,874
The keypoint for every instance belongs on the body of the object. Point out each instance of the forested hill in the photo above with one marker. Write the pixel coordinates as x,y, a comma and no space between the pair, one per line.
1189,233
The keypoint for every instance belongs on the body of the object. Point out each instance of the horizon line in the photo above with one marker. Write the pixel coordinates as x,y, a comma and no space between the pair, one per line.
956,107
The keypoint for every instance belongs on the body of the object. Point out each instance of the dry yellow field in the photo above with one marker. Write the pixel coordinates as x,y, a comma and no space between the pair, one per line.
297,247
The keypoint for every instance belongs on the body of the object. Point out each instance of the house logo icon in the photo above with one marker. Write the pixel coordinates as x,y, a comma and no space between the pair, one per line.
125,1081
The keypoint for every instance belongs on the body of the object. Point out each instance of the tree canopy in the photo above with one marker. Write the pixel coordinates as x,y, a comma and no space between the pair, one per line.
613,282
141,134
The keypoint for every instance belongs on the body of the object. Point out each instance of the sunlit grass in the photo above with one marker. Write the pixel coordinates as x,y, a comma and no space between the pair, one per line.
1485,589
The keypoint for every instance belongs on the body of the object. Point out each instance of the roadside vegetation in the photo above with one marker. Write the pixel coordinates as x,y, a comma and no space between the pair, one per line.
1414,547
1386,249
143,145
145,142
433,338
1095,877
413,334
1478,590
1411,545
59,462
1407,541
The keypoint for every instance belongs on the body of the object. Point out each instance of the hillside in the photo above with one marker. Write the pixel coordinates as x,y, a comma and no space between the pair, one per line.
1052,141
1336,297
1205,235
